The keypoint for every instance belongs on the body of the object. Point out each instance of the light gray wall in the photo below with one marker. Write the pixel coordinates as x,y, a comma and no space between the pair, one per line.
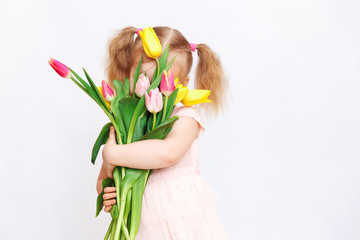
283,160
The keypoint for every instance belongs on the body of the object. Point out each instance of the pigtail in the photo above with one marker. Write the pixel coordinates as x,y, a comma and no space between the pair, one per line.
209,75
119,54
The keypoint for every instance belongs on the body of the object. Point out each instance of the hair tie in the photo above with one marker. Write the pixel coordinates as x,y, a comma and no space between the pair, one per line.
139,29
193,46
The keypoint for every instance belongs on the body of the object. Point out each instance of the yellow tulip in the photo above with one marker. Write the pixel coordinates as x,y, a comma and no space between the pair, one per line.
181,93
106,101
151,43
196,96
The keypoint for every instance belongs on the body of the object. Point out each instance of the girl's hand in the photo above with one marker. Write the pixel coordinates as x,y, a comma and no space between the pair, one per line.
109,198
108,153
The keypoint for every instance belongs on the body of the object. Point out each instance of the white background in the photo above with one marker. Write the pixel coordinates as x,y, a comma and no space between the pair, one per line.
283,160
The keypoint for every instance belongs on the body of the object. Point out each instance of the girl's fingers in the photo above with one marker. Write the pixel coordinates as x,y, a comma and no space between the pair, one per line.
108,196
112,138
107,209
109,189
108,203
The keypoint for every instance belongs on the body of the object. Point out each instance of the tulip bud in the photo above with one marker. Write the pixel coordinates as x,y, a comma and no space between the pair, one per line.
107,92
151,43
102,95
60,68
167,85
142,84
196,96
153,101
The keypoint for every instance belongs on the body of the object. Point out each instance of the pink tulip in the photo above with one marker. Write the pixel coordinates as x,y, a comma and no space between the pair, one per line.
142,85
167,85
60,68
107,92
153,101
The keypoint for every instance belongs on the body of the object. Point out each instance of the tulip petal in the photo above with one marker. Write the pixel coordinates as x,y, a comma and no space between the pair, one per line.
106,101
60,68
167,85
183,91
151,43
196,96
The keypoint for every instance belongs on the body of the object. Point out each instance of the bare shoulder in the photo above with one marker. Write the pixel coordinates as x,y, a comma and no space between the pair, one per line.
186,127
181,137
189,111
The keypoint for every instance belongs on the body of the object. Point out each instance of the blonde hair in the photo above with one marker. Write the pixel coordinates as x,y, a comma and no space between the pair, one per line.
209,74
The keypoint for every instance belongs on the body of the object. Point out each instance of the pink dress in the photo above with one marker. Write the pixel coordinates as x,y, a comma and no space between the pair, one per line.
177,203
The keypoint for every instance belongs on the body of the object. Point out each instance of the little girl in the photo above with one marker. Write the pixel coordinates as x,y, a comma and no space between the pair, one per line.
177,202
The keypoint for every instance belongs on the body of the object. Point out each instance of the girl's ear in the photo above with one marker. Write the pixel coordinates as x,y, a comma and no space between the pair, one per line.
186,82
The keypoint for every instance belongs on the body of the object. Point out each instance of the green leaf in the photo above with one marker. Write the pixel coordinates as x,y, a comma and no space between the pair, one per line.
149,123
85,84
127,107
137,72
136,203
170,63
82,84
138,110
101,139
161,131
127,86
131,176
107,182
119,88
163,58
128,206
162,61
140,126
159,114
99,204
114,212
114,106
155,83
96,90
170,104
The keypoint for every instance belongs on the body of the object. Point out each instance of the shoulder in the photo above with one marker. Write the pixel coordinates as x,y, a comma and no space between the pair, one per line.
189,111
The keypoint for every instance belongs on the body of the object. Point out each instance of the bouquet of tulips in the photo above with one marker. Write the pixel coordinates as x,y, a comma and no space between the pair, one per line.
145,115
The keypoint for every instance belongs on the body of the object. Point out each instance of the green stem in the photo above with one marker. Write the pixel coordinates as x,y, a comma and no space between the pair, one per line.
153,126
131,130
109,230
120,217
84,89
143,113
112,236
88,93
106,110
146,176
125,231
117,179
118,135
134,118
165,106
158,66
122,172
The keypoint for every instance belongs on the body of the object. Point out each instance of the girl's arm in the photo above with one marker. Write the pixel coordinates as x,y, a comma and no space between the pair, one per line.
101,177
153,153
